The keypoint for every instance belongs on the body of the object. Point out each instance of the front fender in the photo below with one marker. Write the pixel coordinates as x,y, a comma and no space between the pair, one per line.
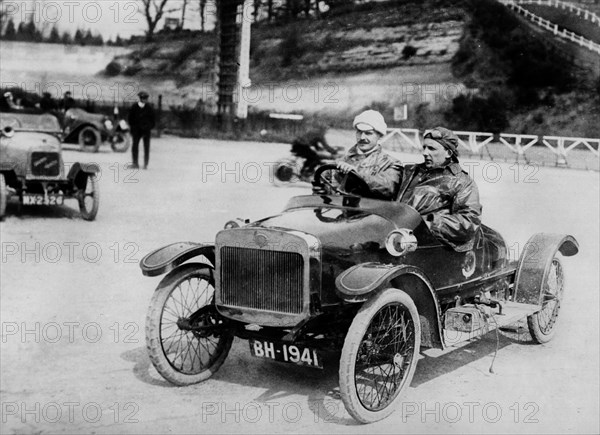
535,263
361,282
165,259
79,172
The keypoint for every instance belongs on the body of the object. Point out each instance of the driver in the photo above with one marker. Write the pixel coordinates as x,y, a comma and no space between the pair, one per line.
367,159
444,194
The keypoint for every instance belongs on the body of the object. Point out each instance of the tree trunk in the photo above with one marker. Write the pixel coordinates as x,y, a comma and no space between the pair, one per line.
183,8
202,14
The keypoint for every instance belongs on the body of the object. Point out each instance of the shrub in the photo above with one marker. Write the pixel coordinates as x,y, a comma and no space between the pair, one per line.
132,70
291,47
408,51
114,68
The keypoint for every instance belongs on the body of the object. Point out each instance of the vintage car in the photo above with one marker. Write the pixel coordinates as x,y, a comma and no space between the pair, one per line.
32,167
90,130
345,272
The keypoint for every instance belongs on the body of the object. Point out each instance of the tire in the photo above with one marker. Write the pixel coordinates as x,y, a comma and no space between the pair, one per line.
376,366
191,347
89,199
542,325
286,171
121,142
89,139
3,196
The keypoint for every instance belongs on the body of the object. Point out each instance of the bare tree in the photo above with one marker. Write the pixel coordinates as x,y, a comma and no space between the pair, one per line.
183,9
153,11
202,5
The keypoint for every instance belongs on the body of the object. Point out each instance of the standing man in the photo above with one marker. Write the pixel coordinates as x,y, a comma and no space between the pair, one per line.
445,196
367,158
141,121
67,102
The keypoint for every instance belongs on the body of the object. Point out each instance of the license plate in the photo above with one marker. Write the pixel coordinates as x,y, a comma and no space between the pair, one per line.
283,352
43,200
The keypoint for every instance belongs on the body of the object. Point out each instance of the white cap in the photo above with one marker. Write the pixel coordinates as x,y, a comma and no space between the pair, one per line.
370,119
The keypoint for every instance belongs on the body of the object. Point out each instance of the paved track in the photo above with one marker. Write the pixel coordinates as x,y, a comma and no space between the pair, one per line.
73,303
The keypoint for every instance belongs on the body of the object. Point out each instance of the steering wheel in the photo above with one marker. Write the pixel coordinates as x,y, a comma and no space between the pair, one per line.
351,184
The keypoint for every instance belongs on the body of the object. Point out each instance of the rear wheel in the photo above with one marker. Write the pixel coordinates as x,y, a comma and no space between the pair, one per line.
89,139
89,198
542,325
3,195
185,336
379,356
286,171
121,142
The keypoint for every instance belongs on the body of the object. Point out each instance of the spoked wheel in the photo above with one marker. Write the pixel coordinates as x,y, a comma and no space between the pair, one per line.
121,142
89,199
379,356
542,325
185,336
89,139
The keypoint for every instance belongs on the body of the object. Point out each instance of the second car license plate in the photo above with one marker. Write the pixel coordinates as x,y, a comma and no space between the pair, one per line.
41,200
286,353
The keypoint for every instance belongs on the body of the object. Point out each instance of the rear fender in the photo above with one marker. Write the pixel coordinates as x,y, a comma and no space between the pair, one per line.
165,259
359,283
534,264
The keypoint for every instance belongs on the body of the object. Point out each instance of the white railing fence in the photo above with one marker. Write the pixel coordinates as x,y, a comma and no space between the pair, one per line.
560,151
545,24
584,13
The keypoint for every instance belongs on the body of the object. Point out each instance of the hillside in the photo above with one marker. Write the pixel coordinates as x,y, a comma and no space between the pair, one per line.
395,46
381,37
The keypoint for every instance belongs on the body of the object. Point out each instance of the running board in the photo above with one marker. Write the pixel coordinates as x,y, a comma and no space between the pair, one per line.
469,321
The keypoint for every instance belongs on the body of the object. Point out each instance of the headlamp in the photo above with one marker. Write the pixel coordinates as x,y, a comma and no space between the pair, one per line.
401,241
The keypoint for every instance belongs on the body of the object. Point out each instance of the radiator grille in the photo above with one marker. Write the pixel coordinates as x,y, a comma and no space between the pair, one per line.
45,164
262,279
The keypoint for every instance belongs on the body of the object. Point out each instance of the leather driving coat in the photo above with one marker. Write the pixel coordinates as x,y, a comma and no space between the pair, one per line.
446,197
376,167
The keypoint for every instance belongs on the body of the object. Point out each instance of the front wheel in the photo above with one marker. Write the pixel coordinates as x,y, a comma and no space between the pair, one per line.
379,356
89,198
542,325
186,338
121,142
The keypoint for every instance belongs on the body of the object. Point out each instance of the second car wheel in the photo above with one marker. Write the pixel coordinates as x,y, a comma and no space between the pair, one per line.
89,139
3,195
379,356
121,142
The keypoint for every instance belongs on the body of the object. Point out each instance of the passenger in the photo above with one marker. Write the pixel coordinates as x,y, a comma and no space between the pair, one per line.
443,193
367,159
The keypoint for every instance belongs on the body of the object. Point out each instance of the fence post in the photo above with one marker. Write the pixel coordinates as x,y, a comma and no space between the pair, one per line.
561,158
159,116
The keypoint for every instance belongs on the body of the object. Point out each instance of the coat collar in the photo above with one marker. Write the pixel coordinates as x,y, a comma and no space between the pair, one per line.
354,151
